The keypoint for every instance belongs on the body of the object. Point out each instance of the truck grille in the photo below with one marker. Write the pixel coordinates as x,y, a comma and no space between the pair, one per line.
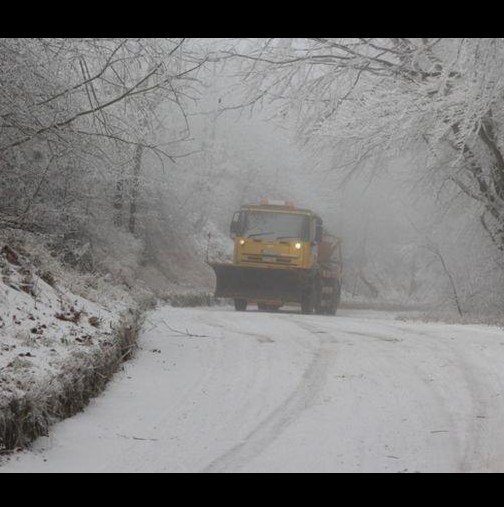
268,258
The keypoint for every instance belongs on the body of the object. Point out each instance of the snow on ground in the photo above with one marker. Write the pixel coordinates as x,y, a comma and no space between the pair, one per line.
36,333
43,323
212,390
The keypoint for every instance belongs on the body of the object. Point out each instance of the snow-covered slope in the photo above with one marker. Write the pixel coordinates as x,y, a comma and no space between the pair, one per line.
53,344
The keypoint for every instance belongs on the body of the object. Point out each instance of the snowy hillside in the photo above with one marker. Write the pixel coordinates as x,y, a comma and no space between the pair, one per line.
53,342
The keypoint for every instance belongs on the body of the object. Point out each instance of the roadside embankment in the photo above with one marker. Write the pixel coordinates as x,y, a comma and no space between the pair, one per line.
62,337
28,411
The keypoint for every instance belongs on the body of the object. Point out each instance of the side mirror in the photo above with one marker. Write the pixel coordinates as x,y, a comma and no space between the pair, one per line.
319,233
235,225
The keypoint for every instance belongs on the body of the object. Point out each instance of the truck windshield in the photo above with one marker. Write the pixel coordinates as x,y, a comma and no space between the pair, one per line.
271,225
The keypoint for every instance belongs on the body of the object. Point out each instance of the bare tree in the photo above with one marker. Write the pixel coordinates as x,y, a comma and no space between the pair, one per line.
369,96
74,112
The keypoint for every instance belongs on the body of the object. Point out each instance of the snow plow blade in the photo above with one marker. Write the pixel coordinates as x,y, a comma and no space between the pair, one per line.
240,282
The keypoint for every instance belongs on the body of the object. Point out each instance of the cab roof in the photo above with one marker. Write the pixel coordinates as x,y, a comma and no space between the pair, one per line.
277,207
281,209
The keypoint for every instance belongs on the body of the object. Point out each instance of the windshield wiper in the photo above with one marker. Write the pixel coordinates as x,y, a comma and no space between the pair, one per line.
288,237
259,234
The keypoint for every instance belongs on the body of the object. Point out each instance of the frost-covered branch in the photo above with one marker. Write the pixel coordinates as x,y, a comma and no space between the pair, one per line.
370,97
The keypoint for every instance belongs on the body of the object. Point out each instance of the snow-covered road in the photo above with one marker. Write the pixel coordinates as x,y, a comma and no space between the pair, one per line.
212,390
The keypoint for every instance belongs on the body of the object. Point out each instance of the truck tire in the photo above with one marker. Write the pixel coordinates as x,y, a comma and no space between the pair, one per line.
240,305
336,299
308,301
318,306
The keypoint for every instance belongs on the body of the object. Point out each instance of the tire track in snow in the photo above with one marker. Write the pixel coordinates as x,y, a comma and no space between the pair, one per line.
477,442
284,415
474,437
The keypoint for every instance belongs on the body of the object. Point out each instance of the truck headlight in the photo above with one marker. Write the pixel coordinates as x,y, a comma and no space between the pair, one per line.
242,242
298,246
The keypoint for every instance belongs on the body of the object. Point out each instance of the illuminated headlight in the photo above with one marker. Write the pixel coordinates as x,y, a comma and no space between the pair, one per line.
298,246
242,242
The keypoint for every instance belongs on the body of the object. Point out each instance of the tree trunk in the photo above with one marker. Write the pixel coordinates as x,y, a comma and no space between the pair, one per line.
135,187
118,201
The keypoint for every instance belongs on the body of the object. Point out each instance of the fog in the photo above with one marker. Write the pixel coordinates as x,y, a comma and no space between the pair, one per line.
409,241
364,335
405,167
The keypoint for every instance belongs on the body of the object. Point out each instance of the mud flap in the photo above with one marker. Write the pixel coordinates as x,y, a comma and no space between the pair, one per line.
252,283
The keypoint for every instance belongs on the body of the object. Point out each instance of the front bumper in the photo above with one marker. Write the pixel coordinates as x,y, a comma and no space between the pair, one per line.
254,283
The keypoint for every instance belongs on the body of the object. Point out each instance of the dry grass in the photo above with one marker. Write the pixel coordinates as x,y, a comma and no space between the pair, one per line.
26,416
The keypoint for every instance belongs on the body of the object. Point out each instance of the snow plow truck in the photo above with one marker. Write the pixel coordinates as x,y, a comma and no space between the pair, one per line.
282,255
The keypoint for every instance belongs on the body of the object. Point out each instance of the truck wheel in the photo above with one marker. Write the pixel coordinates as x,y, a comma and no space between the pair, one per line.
336,299
308,301
240,305
319,308
338,294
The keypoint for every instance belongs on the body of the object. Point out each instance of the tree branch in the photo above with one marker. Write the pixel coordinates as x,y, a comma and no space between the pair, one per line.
108,63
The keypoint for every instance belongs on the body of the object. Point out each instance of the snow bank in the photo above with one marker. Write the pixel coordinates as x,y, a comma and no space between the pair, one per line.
57,348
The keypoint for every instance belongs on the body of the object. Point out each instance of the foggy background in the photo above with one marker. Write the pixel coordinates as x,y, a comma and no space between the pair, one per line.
129,157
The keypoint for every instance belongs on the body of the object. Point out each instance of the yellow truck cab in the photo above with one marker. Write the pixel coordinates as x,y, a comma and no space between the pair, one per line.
282,254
